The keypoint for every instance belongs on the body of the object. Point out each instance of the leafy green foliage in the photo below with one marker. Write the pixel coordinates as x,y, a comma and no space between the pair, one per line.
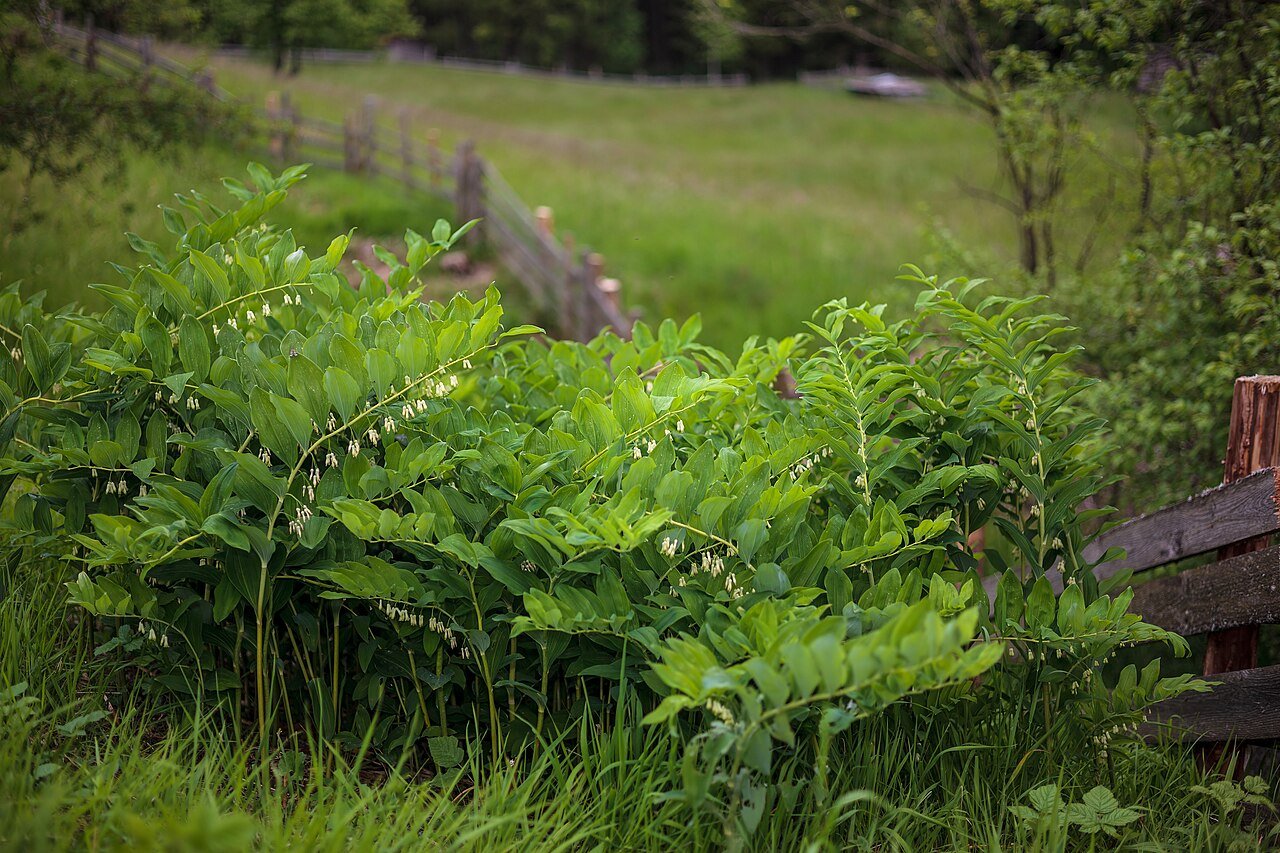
385,520
1097,812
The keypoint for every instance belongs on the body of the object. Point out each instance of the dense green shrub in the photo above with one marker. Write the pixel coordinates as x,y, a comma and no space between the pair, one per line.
359,515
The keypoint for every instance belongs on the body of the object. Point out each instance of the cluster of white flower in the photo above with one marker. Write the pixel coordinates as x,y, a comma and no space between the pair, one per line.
731,586
1103,739
808,463
265,456
150,634
300,519
296,299
643,448
401,614
434,624
313,480
331,459
121,488
679,429
332,423
373,437
16,354
528,566
720,712
353,447
440,387
712,563
670,547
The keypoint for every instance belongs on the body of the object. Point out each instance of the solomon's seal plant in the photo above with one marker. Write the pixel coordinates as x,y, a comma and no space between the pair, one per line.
351,513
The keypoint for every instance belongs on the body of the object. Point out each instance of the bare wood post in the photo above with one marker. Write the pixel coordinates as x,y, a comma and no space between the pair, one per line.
467,188
546,220
406,148
435,163
90,43
1253,443
588,318
276,134
204,79
611,290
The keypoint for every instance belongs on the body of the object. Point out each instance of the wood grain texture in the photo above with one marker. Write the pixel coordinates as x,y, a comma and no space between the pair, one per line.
1214,519
1241,590
1253,443
1231,513
1244,706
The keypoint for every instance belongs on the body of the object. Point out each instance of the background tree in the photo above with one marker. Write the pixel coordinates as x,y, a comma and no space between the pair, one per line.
1011,61
287,27
57,119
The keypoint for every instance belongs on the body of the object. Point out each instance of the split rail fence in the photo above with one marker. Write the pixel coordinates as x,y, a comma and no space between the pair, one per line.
1229,597
563,284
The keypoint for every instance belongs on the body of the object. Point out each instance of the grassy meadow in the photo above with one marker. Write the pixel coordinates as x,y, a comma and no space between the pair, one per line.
752,205
64,238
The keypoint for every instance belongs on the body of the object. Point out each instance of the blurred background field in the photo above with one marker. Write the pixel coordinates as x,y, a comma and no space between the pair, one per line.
749,205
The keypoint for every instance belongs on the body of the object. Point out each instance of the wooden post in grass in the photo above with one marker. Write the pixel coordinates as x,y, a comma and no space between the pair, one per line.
611,290
468,189
588,317
1253,443
204,79
90,43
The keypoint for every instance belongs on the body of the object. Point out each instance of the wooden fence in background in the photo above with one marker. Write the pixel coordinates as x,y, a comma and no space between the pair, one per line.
569,287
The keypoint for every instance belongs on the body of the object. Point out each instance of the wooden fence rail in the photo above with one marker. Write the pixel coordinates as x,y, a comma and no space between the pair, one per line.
1225,599
568,287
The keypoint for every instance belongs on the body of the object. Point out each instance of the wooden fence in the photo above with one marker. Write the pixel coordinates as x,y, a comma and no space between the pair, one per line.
569,287
1230,596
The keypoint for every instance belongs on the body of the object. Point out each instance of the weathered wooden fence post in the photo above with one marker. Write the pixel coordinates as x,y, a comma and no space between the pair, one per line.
1253,443
204,79
468,190
611,290
90,43
587,316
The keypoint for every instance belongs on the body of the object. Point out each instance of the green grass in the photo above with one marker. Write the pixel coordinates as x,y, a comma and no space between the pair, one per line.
752,206
63,240
89,760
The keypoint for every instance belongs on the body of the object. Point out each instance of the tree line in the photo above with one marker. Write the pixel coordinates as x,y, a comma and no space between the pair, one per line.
649,36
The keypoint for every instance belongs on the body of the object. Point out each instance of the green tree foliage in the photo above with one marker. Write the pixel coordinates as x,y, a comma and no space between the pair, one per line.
1199,286
56,118
580,34
286,27
369,516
